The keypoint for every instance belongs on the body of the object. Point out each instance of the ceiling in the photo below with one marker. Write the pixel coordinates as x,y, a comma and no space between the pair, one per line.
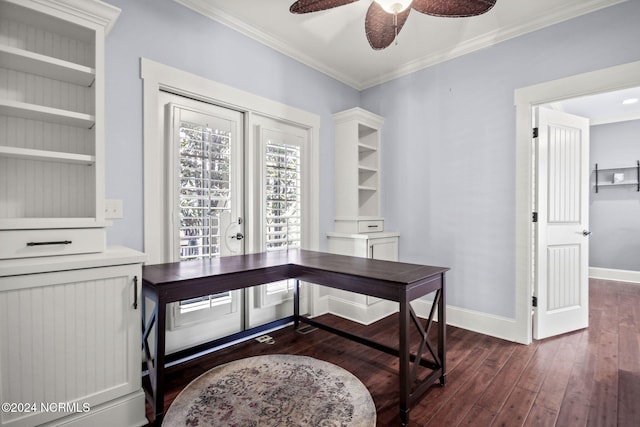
334,41
603,108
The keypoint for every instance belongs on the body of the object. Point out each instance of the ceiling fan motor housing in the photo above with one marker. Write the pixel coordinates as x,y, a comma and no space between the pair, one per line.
394,6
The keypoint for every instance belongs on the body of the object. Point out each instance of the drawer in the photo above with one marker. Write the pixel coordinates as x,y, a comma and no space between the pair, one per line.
48,242
370,226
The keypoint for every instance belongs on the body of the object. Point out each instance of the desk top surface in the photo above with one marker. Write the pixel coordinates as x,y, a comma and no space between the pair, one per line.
388,271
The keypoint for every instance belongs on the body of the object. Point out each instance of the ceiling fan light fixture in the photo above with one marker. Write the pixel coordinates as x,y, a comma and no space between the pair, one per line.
385,18
394,6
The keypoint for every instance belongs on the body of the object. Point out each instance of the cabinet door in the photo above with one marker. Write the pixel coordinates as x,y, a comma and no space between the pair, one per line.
385,249
69,337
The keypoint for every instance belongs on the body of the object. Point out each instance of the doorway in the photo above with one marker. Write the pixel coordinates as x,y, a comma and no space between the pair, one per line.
600,81
561,271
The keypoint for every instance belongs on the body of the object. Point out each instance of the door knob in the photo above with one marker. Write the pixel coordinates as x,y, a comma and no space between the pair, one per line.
585,232
238,236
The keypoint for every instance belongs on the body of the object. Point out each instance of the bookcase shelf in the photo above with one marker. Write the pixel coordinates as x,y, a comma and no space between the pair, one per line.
46,114
50,156
46,66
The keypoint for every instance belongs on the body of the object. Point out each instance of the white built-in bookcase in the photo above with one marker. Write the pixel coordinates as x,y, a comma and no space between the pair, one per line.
359,228
69,310
52,126
357,171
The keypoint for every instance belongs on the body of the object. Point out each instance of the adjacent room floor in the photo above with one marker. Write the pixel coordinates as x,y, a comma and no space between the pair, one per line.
585,378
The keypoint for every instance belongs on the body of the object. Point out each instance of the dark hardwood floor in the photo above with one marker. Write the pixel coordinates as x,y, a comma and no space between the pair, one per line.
589,377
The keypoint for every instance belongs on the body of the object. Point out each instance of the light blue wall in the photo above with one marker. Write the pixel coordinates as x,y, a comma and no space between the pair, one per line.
449,148
448,138
614,212
171,34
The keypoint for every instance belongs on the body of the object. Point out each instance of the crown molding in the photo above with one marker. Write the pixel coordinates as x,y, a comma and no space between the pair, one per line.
488,39
95,11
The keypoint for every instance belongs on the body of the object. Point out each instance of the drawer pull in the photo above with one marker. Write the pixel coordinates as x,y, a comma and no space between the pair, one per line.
372,226
61,242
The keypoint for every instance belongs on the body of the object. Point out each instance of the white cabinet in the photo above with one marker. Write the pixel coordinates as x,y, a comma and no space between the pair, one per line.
362,308
383,245
70,340
69,320
357,171
52,125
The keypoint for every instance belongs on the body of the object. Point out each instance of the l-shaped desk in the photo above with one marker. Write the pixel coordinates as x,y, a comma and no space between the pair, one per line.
394,281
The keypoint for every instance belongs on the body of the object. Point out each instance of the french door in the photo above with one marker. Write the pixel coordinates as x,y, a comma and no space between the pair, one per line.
205,194
279,159
230,191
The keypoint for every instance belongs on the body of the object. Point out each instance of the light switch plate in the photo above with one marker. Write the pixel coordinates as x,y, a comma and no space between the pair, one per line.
113,209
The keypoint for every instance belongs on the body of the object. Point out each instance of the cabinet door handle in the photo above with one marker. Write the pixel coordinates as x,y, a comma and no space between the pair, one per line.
135,292
60,242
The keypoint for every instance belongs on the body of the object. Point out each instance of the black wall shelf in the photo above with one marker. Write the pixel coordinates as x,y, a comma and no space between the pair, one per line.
611,182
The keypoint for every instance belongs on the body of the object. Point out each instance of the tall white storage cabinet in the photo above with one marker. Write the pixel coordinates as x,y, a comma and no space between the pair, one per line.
359,228
69,315
52,126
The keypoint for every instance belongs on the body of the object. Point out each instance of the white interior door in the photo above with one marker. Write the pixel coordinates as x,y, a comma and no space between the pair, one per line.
561,284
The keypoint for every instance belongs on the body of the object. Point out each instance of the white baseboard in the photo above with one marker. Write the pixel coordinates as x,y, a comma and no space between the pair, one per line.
483,323
361,313
126,411
613,274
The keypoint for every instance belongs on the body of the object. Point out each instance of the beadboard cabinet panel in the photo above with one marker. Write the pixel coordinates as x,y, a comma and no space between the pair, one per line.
70,337
46,189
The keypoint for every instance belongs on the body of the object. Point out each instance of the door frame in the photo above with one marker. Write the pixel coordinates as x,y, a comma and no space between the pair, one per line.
155,77
526,98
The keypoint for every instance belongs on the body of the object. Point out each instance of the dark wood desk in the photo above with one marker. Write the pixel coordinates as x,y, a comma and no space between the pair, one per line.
400,282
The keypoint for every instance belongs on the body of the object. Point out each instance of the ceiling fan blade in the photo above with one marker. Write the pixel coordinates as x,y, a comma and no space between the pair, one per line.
306,6
453,8
380,28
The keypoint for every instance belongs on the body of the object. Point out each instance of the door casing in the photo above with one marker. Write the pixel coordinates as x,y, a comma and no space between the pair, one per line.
599,81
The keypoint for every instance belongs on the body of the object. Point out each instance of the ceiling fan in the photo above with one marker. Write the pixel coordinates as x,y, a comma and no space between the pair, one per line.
385,18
